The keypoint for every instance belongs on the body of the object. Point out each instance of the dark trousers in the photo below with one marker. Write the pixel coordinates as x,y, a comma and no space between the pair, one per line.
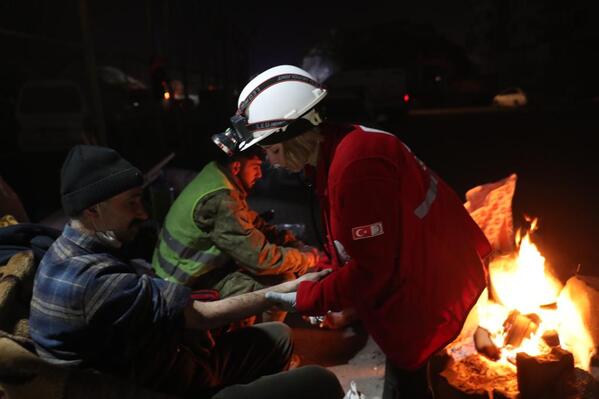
248,362
406,384
301,383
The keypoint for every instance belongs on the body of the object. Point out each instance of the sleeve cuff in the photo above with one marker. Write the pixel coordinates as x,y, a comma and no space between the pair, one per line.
306,301
175,296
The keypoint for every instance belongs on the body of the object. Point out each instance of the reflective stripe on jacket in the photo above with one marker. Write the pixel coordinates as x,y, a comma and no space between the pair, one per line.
185,251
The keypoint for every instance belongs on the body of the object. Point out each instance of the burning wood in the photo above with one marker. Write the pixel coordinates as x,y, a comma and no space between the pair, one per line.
551,338
475,377
549,376
485,345
546,376
595,366
519,327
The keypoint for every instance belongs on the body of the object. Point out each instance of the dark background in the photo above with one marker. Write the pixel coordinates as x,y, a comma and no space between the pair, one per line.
453,57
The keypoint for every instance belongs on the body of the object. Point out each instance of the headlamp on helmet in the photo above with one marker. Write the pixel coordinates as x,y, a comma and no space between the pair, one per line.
231,140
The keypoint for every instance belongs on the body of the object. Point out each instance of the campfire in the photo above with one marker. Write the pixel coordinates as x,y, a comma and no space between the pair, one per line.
532,336
526,306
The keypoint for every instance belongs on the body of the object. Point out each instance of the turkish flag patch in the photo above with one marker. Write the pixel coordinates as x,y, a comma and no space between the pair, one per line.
370,230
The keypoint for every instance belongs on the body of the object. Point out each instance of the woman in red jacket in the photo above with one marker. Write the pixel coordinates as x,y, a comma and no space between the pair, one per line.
408,255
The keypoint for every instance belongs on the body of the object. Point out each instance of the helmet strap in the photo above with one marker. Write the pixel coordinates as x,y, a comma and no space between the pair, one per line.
271,82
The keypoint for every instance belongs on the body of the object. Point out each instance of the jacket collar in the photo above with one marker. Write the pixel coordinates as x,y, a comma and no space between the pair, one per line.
83,239
333,134
232,179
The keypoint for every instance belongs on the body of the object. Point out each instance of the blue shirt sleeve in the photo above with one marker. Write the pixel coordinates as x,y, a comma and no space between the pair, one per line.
133,301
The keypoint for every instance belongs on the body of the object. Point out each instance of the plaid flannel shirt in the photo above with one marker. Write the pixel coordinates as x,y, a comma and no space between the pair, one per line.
91,309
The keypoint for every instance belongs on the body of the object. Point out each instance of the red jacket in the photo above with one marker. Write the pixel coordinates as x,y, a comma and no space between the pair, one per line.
415,270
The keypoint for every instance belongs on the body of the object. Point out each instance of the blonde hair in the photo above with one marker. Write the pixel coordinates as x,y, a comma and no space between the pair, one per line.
302,150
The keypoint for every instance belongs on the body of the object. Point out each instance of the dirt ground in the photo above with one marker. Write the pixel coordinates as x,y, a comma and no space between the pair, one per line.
350,353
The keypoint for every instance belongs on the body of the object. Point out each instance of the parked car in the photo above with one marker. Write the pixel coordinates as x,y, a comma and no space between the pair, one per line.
512,97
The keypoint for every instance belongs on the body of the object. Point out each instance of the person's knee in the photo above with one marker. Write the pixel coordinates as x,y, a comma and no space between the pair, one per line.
279,332
318,373
326,381
305,382
280,339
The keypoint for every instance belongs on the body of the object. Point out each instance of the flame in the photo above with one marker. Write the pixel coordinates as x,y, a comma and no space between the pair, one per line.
521,282
573,333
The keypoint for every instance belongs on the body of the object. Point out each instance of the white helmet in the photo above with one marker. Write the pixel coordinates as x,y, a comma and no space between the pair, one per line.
269,103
